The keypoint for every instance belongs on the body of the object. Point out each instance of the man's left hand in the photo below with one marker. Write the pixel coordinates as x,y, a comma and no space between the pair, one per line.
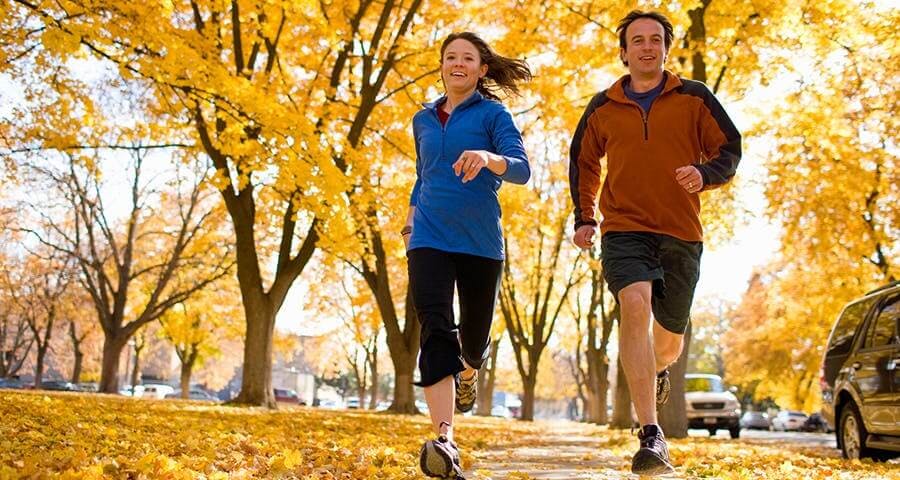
689,178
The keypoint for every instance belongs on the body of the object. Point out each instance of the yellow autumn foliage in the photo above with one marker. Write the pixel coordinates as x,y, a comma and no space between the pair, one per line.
100,436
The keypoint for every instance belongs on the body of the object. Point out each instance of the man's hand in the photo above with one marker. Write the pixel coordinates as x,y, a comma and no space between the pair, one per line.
689,178
584,236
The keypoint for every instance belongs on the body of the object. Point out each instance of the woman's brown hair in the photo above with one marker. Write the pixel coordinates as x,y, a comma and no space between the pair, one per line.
503,73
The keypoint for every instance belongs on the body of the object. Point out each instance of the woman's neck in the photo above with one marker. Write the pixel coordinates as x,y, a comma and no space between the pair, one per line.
456,98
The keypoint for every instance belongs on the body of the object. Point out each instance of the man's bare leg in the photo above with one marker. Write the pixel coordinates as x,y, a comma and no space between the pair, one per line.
636,349
666,346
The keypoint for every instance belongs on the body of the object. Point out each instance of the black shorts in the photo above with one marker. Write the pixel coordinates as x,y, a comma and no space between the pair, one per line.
672,265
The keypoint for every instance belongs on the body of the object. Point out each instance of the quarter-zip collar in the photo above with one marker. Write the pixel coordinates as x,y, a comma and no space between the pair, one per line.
476,96
617,91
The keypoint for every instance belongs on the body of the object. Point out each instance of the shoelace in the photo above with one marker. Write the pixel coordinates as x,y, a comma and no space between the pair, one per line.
467,387
654,442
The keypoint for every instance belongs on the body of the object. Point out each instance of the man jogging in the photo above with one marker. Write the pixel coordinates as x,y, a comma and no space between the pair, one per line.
666,139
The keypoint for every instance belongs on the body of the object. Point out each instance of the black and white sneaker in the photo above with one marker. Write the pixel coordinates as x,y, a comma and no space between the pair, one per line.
653,456
663,386
440,459
466,392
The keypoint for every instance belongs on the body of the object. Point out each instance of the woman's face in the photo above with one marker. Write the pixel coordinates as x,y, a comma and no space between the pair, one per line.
461,66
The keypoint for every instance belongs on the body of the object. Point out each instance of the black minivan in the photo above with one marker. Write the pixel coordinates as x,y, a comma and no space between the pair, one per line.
860,376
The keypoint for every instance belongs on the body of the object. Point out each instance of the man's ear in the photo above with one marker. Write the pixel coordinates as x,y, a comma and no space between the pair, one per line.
622,56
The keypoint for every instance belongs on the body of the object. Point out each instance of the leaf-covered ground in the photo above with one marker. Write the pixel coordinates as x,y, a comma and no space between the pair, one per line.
96,436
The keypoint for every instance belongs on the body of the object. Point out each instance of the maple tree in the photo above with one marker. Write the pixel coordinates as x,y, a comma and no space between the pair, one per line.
833,188
36,289
129,268
197,327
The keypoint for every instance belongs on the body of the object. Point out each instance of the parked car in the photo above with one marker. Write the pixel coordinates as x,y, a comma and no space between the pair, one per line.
153,390
860,376
12,383
194,394
816,423
709,406
755,421
88,387
787,420
353,403
284,395
59,385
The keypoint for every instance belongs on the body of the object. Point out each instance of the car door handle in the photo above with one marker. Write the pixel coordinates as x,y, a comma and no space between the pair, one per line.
892,364
856,366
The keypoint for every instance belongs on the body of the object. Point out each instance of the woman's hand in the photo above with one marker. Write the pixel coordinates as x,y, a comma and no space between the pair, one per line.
471,162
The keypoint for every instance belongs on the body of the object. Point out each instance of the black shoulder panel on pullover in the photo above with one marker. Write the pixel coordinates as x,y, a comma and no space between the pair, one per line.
722,168
598,101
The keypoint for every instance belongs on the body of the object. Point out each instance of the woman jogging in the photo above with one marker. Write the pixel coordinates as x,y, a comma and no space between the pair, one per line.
466,146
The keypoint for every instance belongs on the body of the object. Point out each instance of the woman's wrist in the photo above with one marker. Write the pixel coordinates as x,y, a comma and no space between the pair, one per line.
498,163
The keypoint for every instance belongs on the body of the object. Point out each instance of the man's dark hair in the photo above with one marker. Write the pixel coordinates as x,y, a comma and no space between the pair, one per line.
636,14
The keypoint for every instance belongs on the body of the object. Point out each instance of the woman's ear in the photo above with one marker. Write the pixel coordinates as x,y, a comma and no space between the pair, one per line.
484,70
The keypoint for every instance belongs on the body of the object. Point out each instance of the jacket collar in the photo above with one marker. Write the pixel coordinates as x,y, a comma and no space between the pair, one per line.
617,90
476,96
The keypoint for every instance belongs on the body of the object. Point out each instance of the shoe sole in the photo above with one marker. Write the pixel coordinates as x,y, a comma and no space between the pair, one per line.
435,462
651,465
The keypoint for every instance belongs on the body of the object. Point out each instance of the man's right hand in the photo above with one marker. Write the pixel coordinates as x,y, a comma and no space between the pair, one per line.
584,236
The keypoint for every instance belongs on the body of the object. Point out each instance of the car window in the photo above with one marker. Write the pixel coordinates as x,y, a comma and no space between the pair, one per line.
884,329
842,335
703,384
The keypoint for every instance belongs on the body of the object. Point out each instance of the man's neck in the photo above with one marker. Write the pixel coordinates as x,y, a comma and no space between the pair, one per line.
645,84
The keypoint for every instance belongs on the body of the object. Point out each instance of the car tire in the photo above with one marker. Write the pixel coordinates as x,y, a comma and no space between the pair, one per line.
735,432
852,436
712,432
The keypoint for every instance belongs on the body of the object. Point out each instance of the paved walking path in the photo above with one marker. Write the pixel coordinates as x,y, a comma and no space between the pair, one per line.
568,451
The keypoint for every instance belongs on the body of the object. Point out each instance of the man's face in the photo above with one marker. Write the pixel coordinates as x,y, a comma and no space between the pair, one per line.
645,47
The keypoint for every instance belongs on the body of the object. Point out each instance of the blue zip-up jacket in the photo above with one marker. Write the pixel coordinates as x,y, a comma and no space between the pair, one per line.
463,217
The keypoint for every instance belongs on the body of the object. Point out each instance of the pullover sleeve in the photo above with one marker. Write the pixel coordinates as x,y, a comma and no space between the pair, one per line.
508,143
414,196
721,143
584,165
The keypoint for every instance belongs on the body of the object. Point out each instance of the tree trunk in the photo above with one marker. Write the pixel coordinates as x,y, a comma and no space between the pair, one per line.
136,370
256,381
528,384
373,394
187,367
672,417
77,366
404,348
41,354
486,381
79,355
622,404
404,399
109,370
596,395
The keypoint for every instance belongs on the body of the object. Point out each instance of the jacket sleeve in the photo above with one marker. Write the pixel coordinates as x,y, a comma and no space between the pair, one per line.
584,165
414,196
508,143
721,143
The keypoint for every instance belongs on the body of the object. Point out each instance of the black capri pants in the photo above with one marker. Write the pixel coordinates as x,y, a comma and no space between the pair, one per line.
444,344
